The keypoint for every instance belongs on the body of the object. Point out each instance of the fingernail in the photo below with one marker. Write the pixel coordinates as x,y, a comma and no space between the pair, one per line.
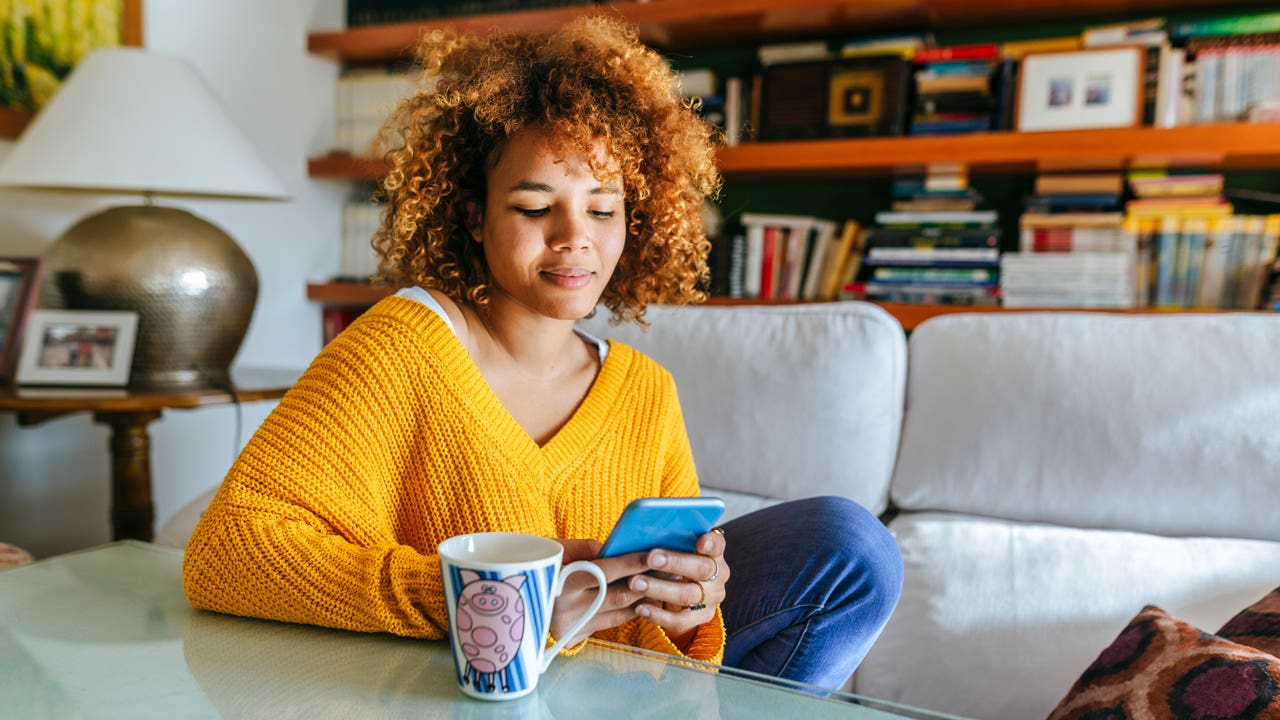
642,611
657,560
639,584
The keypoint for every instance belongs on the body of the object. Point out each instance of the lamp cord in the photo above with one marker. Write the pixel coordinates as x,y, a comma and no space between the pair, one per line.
235,401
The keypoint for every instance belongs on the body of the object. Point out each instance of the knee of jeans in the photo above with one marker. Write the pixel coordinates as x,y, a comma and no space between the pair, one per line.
858,540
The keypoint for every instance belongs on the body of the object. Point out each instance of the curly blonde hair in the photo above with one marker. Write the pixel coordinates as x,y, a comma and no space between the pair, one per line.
593,80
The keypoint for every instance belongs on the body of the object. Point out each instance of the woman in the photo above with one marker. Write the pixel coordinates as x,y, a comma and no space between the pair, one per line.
537,178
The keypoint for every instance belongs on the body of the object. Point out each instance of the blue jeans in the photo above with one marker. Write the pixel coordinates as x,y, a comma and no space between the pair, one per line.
812,584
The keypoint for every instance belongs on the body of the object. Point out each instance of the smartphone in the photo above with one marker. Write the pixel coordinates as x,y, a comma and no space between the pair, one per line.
668,523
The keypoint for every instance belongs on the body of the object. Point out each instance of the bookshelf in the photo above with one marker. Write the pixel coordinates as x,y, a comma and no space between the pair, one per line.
348,294
1229,146
682,26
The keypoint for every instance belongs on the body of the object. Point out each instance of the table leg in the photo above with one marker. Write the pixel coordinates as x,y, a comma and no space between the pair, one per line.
132,513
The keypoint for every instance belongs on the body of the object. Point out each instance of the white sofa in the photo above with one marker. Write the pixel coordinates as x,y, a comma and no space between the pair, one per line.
1046,474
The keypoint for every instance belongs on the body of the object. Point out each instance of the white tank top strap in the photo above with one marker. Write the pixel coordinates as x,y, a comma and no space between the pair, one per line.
420,295
416,293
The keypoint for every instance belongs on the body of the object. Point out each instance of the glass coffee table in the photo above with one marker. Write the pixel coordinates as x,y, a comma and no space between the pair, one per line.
107,633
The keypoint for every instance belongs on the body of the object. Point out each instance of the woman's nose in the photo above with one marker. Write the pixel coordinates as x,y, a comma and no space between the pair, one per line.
571,232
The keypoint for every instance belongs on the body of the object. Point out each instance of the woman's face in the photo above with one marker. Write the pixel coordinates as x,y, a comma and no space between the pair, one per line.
552,233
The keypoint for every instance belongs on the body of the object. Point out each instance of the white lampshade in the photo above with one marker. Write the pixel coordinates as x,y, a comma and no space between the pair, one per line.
132,121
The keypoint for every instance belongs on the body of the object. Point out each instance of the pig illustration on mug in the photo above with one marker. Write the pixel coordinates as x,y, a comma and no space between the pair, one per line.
490,625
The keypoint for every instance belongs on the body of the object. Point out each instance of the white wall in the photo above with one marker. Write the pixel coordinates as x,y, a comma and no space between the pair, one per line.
54,477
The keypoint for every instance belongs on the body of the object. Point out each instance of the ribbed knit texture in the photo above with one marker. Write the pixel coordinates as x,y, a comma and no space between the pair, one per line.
391,442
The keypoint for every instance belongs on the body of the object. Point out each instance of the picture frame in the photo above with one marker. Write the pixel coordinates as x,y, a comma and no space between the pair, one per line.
847,97
49,55
1081,89
19,285
78,347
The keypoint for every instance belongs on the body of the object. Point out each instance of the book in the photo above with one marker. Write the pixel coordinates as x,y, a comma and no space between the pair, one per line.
820,254
932,257
1048,183
846,252
975,218
942,276
976,51
1016,49
932,237
1232,25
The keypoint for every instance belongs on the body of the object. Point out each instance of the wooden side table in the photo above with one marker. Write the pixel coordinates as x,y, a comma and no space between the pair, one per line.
128,412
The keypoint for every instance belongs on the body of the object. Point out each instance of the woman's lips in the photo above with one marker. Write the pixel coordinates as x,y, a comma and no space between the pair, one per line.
568,277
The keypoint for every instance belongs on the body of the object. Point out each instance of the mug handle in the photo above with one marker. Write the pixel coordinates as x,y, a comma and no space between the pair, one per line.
594,570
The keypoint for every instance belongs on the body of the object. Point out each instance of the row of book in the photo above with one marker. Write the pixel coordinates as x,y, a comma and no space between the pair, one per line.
365,97
791,257
357,261
1170,260
375,12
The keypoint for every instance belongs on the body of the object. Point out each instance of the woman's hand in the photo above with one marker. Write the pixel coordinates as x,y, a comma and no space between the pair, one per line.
580,590
686,589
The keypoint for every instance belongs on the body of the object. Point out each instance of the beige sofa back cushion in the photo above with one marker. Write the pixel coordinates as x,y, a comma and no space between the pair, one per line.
1168,425
782,402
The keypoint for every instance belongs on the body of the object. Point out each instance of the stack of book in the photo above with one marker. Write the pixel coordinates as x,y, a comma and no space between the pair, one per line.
1072,248
949,257
792,257
954,89
941,187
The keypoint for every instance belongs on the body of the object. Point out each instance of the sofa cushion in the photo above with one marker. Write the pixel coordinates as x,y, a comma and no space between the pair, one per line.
1257,625
782,402
1161,668
998,618
1164,424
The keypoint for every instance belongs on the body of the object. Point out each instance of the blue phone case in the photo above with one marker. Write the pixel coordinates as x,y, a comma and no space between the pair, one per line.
669,523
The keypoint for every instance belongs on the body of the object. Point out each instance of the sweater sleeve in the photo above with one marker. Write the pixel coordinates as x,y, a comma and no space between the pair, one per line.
300,530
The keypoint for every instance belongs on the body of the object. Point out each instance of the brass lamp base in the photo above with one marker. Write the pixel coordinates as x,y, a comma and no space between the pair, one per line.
192,286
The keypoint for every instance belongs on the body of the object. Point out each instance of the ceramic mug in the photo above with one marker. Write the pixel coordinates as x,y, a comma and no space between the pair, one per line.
500,589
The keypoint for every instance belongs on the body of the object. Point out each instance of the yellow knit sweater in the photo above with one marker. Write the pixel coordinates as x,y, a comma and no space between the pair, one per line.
391,442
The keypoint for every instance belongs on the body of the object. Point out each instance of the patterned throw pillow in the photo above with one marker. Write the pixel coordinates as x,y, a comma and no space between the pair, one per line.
1165,669
1258,625
13,556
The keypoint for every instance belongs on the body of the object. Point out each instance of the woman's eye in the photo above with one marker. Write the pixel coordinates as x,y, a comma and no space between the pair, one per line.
532,212
601,213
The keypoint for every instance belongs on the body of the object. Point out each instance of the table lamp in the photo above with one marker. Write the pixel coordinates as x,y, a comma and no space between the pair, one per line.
129,121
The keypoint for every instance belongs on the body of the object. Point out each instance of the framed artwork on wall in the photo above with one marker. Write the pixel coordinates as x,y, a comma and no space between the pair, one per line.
52,36
19,283
1080,90
78,347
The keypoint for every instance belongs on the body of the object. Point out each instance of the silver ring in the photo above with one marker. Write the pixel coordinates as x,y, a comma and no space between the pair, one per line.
715,574
695,608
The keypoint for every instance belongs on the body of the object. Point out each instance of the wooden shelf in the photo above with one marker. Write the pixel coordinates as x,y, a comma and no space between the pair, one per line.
358,295
1229,146
346,293
694,24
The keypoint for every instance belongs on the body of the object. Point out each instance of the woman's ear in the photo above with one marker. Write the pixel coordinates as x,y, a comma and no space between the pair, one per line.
474,219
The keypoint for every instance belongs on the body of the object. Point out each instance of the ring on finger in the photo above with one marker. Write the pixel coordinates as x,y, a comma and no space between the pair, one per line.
702,601
715,574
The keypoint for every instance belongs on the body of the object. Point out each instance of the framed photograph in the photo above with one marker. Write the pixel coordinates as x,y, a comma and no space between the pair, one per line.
1081,89
19,284
78,347
51,37
850,97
